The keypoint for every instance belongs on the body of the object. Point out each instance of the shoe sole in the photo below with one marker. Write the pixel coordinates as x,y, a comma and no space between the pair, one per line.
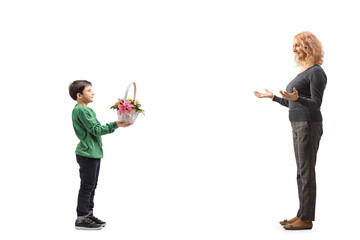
308,227
85,228
297,229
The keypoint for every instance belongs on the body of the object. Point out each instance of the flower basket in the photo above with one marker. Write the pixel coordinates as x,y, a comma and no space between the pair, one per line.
128,109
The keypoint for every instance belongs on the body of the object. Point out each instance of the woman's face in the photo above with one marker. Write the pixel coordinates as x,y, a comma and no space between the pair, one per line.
299,53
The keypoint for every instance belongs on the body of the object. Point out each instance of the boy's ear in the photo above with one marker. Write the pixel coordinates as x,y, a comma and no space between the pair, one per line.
78,95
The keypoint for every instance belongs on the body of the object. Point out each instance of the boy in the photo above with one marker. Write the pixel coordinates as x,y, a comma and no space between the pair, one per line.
88,152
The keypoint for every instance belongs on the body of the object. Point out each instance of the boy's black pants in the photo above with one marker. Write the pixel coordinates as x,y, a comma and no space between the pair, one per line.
89,172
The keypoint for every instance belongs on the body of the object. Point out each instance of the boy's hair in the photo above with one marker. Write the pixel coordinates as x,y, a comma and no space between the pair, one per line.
78,86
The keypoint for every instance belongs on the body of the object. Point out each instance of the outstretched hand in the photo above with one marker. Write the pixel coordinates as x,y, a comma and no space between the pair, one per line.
266,94
123,124
291,96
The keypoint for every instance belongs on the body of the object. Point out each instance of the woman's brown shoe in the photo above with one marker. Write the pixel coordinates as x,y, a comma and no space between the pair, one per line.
285,222
299,225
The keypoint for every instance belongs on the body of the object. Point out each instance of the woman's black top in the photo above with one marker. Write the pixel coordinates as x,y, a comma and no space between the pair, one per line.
310,85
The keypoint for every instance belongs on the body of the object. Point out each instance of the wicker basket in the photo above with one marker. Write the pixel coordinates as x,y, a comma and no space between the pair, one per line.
129,116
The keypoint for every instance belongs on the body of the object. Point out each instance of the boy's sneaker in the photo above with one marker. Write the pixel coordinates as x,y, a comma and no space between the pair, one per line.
96,220
87,224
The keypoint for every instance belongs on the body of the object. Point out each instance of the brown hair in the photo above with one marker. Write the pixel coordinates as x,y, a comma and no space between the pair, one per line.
312,48
76,87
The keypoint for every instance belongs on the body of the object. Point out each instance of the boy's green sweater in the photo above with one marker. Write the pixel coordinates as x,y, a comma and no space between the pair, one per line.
89,130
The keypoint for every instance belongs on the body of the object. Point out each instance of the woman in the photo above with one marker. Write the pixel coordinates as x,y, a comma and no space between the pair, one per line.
303,96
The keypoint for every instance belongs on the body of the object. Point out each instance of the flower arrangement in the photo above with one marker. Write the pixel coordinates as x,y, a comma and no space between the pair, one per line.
128,106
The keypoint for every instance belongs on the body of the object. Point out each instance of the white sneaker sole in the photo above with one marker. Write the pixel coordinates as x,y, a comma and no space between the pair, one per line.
85,228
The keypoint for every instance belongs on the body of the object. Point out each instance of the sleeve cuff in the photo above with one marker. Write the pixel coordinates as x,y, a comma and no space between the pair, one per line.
300,100
115,126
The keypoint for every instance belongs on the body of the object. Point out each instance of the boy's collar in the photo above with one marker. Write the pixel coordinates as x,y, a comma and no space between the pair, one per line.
82,105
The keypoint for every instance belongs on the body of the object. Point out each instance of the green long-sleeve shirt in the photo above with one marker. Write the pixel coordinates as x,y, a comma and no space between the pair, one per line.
89,130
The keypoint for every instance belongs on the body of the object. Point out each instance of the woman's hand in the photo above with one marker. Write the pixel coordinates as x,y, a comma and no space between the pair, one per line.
123,124
267,94
291,96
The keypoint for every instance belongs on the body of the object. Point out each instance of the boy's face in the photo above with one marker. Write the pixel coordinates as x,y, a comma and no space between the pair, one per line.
87,96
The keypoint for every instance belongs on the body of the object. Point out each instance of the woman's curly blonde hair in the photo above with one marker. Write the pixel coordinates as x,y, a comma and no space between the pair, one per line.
312,48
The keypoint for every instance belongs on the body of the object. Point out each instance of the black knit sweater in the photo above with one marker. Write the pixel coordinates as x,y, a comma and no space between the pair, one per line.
310,85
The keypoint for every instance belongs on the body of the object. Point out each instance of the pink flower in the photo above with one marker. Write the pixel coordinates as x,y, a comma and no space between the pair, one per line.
124,106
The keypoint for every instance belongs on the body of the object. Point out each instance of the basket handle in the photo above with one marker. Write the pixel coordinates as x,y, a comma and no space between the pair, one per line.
127,90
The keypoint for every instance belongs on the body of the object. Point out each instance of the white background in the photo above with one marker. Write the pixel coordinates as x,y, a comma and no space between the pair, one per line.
209,160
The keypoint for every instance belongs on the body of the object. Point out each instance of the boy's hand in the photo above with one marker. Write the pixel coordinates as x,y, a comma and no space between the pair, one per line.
123,124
